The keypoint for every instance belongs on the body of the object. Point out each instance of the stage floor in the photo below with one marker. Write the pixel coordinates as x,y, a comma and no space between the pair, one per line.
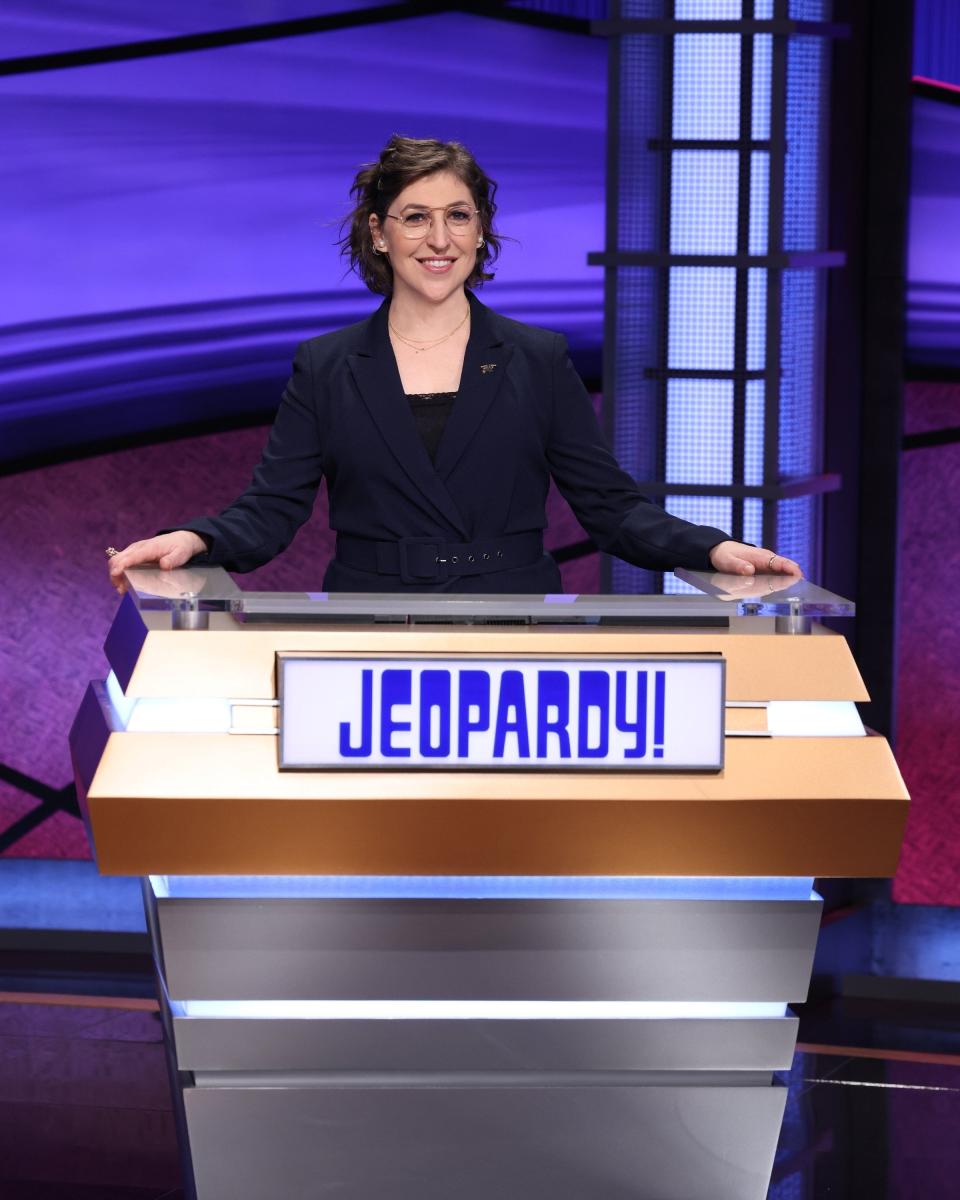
85,1106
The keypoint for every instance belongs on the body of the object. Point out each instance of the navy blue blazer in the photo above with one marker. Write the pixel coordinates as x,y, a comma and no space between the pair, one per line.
344,416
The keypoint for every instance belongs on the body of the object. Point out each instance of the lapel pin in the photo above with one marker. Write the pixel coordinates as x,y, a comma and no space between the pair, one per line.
486,368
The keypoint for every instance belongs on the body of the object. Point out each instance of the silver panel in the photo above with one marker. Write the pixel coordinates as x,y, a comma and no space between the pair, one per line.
227,1044
500,1080
438,1142
750,950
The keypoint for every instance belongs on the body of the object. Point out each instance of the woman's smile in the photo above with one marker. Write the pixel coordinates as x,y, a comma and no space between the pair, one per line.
437,266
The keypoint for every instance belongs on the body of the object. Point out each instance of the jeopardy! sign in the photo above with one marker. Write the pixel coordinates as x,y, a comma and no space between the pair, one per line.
624,714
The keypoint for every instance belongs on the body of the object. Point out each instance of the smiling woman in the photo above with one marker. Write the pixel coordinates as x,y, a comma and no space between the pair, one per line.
437,423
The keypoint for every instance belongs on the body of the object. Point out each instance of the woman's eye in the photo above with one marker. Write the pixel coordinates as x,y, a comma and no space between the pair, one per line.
415,219
459,216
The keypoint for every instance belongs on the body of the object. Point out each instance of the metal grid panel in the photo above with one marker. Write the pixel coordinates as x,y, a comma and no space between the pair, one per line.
760,98
799,392
703,202
702,318
803,291
699,431
753,432
715,10
637,324
756,319
706,85
638,9
635,416
638,215
706,196
753,521
806,101
795,522
810,10
759,201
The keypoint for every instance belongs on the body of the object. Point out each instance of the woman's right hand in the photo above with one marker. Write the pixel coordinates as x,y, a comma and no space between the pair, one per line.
168,551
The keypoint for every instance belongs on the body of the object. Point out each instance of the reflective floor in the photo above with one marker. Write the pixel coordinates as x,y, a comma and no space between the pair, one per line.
871,1128
85,1109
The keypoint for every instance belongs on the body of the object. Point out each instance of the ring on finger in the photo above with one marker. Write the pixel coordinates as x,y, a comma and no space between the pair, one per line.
771,560
111,552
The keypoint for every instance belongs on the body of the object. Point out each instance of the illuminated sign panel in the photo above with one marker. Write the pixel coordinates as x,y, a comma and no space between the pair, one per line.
482,713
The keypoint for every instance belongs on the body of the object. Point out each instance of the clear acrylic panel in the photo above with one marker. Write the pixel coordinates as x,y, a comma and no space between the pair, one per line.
718,597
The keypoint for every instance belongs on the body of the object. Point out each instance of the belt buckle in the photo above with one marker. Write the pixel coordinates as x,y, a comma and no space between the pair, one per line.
408,573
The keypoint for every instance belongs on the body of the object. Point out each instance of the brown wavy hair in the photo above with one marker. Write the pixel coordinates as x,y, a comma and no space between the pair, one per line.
402,161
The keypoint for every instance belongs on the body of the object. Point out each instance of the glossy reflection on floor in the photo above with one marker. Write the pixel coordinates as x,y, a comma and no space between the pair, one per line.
85,1112
873,1128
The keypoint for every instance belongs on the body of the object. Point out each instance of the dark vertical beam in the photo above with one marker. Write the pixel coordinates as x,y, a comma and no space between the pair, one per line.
663,273
866,322
888,176
777,166
611,242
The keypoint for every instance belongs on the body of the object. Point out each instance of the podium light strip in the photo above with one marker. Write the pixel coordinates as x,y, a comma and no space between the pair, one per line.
476,1010
481,887
175,714
814,718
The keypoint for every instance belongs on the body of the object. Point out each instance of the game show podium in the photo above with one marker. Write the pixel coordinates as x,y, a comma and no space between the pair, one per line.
514,902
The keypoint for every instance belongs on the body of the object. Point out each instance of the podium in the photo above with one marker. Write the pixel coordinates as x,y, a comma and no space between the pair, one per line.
459,896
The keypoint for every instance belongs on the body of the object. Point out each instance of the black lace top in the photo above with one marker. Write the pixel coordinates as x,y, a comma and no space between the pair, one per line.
430,411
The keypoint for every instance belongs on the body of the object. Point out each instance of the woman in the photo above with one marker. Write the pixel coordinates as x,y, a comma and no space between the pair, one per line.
437,422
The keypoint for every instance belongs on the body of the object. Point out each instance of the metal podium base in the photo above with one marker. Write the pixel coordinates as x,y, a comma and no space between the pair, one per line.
477,1138
411,1048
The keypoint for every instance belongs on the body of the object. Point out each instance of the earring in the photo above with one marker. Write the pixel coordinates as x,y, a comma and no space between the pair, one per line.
379,249
479,243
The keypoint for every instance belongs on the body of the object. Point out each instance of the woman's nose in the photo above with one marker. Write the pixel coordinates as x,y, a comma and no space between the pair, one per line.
439,236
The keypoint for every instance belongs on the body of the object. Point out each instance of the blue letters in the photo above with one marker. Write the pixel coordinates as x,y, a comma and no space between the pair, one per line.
594,693
619,711
366,721
435,694
395,689
474,693
511,699
659,704
553,691
638,727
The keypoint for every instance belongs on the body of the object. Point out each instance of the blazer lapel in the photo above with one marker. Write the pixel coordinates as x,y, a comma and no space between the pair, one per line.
374,369
484,368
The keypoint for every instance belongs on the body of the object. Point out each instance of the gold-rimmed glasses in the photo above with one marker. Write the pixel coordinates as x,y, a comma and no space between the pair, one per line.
460,220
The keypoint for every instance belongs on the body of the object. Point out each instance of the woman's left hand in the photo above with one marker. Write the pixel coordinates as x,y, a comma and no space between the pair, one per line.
737,558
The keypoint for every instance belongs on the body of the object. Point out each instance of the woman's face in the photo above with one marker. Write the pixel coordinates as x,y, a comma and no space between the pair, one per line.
438,264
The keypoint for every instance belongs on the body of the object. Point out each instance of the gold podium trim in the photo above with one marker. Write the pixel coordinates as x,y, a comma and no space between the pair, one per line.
782,806
230,659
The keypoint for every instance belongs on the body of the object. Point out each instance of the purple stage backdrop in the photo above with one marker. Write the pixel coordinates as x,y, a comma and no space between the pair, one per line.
928,657
170,222
933,266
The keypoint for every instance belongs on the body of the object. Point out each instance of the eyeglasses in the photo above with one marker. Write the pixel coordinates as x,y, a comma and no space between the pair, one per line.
459,219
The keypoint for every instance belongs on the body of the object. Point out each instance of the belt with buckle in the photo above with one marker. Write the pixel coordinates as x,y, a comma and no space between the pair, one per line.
434,560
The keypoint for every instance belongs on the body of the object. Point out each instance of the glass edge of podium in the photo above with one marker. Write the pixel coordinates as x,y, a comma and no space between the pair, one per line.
716,599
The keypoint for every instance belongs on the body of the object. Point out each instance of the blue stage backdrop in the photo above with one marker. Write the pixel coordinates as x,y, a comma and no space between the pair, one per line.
170,221
933,259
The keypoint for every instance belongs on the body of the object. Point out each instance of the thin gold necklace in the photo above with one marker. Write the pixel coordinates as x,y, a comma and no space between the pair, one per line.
419,345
